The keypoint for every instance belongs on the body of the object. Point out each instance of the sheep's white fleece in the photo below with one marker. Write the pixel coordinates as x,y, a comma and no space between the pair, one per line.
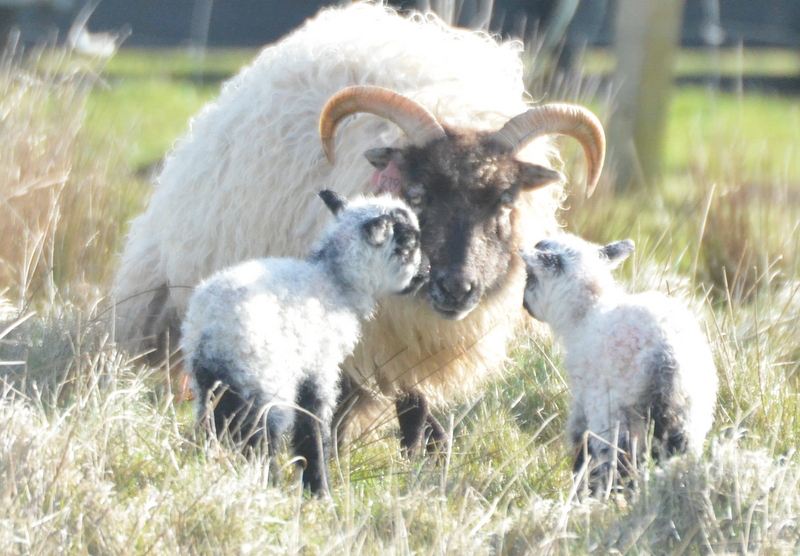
241,183
623,351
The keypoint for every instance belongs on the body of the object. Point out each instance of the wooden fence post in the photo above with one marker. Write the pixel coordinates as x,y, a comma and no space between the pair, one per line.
647,36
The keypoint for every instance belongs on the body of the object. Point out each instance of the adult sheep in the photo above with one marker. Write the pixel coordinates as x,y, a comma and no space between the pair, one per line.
241,184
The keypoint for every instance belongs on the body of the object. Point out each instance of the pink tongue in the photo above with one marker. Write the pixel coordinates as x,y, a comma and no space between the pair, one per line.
387,180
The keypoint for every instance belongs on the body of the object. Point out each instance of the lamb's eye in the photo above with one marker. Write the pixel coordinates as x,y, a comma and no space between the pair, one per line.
414,196
377,230
551,261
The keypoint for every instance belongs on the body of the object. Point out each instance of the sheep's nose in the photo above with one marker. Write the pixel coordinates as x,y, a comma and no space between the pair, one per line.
456,288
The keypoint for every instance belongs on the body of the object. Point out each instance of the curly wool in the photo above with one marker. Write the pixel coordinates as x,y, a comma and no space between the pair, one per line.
275,331
241,183
631,357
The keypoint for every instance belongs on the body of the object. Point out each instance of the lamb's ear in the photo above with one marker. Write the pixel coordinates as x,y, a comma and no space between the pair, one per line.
538,259
534,176
381,157
617,251
333,200
376,230
529,258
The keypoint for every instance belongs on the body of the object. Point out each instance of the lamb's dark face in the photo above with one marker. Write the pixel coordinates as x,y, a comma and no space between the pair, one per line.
463,189
565,275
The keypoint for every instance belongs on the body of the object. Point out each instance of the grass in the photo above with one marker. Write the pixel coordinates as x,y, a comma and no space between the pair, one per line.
148,96
96,458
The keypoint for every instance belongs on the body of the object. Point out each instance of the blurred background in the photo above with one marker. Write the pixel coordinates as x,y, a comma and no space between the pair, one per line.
628,46
242,23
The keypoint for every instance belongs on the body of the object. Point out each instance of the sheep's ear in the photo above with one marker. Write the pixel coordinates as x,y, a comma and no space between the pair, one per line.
381,157
534,176
332,200
376,230
617,251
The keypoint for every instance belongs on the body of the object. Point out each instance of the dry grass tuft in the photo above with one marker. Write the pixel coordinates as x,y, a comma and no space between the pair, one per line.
63,205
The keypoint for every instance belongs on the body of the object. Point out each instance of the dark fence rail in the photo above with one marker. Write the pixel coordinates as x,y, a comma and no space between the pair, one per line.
247,23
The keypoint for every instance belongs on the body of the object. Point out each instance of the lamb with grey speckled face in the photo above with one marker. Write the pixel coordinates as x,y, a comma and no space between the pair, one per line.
634,360
264,340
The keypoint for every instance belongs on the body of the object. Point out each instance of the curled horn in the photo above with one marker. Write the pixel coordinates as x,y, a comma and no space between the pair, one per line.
569,119
415,120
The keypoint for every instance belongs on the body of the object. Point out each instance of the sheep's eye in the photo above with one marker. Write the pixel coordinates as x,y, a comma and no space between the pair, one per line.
414,196
507,199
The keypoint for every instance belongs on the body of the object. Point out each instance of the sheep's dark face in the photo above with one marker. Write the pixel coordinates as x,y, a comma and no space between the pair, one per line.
463,189
566,275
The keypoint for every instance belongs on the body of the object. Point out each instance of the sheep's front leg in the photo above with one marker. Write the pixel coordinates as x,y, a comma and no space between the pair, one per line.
312,436
417,423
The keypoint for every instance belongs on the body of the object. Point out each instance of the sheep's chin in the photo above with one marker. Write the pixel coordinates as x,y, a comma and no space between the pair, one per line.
450,314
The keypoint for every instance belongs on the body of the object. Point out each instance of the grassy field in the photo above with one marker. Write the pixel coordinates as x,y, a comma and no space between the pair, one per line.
96,457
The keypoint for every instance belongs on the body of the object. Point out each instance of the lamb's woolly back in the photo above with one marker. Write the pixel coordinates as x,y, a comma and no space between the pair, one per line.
227,160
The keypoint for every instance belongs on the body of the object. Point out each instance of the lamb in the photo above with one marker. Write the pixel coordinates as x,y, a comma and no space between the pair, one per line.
265,338
467,153
634,360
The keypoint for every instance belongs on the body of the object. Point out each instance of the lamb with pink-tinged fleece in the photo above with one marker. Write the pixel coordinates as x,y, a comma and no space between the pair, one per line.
635,361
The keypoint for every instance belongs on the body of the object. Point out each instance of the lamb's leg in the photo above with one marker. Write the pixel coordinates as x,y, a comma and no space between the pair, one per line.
228,409
576,432
417,423
242,418
312,437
